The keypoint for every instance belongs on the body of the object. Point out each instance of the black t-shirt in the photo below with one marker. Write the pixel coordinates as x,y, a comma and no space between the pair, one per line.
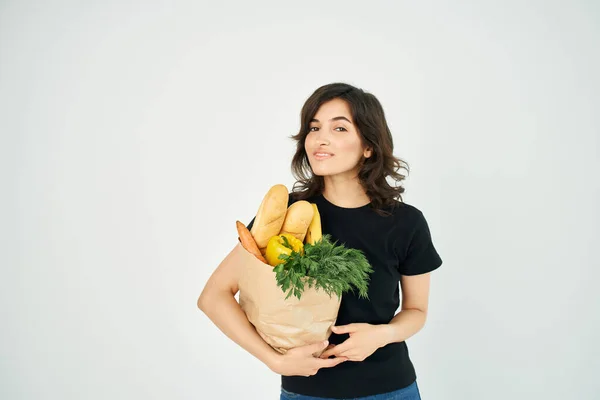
395,245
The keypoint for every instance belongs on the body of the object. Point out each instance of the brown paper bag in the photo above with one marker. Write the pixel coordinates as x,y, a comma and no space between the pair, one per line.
283,324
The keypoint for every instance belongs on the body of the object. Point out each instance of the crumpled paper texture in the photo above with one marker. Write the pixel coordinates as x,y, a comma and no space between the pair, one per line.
283,324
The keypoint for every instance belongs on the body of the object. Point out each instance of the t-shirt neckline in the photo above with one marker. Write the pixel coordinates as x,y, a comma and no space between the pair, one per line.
344,208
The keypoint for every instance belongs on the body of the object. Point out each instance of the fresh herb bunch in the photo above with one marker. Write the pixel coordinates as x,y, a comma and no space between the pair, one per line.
325,265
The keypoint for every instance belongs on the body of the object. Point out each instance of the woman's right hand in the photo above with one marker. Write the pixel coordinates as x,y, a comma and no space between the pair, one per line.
301,361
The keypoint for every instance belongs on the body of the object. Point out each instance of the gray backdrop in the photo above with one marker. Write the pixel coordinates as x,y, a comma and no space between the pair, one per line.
135,134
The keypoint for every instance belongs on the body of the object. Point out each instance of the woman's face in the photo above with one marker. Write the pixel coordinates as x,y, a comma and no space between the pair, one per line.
333,133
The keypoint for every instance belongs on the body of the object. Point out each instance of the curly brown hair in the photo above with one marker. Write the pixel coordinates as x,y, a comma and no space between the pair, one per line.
369,118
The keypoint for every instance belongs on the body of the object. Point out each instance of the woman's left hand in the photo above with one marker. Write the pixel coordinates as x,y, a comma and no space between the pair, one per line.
363,341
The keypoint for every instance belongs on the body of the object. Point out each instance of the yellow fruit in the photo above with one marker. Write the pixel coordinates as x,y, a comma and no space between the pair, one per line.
277,246
314,232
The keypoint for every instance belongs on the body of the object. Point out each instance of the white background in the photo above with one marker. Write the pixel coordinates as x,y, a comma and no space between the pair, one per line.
134,135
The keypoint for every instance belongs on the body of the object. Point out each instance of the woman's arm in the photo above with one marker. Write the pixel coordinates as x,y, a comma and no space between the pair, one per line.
217,301
413,314
365,338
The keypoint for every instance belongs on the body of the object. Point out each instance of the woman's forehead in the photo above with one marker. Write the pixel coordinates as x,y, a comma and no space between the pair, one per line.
333,109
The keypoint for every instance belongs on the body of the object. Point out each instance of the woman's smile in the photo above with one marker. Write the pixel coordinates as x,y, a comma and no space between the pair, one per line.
322,156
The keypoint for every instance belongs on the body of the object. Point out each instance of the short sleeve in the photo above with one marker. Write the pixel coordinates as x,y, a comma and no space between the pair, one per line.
420,256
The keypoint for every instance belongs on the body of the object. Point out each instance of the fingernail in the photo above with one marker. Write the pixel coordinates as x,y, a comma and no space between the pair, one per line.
325,343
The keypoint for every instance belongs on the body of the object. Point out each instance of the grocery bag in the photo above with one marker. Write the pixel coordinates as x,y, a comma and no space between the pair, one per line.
282,323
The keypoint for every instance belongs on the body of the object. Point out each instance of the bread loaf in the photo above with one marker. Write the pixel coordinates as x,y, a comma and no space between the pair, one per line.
270,216
297,219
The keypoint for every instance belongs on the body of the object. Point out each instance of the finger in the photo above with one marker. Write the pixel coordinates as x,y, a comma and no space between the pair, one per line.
316,347
340,348
344,328
331,362
326,353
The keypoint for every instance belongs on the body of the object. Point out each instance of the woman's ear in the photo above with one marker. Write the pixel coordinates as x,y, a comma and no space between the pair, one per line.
368,152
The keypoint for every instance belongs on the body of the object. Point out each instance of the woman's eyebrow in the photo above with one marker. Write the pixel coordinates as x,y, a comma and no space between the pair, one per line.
333,119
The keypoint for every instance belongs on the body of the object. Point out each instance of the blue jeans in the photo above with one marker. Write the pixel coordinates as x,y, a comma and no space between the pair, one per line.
411,392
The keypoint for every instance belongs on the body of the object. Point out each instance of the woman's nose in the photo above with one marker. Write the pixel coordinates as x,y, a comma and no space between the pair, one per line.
321,140
322,137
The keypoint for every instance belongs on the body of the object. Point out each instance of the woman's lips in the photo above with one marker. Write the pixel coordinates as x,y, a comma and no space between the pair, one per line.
322,156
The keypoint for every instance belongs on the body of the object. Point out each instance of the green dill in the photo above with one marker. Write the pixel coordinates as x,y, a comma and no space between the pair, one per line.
324,265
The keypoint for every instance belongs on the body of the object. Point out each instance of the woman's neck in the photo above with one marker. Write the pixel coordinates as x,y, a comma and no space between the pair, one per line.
345,193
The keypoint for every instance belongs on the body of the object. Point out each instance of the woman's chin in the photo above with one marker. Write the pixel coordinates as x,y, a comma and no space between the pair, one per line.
321,172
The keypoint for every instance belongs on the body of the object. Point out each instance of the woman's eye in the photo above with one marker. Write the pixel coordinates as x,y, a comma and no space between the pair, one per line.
314,128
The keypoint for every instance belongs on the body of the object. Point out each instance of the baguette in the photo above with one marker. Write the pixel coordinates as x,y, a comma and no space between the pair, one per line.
297,219
270,216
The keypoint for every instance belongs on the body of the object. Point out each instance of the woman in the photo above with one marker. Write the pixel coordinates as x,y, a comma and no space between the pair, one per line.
342,164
